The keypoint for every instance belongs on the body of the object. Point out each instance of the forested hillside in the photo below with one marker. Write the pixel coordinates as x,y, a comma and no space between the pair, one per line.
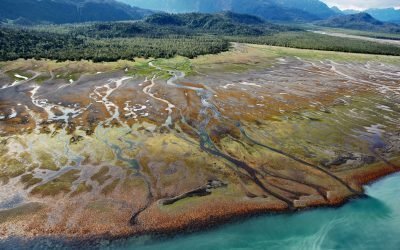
67,11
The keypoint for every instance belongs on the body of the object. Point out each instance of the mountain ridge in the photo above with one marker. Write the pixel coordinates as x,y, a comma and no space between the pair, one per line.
385,14
280,10
67,11
361,21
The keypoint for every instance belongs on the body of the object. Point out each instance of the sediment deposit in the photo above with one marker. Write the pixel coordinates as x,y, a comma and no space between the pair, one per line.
164,145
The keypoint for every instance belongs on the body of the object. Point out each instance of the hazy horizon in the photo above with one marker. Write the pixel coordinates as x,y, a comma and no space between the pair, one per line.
363,5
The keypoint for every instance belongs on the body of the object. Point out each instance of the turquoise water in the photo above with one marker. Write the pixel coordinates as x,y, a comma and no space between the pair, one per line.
371,223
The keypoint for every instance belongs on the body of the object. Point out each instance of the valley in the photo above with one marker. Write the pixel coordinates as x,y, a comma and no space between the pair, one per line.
124,148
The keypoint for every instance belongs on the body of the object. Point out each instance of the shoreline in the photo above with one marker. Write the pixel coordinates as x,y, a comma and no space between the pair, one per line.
195,227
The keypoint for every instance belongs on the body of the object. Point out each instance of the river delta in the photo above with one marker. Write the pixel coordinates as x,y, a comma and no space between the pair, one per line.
113,150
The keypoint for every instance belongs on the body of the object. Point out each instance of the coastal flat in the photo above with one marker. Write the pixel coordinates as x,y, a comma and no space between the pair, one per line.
124,148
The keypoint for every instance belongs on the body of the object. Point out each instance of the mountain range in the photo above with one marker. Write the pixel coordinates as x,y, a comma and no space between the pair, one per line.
385,15
28,12
360,21
67,11
281,10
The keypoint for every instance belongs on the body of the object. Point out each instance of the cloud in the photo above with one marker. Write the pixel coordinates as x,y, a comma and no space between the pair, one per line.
363,4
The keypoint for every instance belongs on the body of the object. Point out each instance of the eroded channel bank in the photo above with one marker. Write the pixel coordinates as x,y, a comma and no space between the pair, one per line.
168,145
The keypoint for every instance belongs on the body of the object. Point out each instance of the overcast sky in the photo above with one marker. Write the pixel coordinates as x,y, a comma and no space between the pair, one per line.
363,4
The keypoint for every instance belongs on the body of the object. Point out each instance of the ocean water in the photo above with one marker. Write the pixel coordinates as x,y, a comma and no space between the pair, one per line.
370,223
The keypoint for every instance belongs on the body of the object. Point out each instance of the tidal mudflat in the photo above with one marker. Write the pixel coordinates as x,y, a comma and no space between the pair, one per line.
158,146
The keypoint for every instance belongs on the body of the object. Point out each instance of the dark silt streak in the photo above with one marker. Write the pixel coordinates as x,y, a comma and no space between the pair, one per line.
239,125
209,147
322,191
134,164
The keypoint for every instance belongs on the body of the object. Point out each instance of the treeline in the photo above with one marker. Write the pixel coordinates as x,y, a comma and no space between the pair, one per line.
309,40
33,44
167,47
